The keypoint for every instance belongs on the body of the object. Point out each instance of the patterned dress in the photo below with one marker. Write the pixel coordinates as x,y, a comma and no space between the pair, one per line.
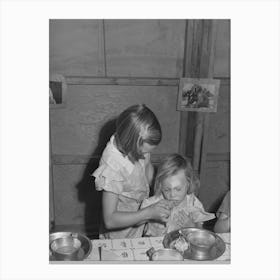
190,207
117,174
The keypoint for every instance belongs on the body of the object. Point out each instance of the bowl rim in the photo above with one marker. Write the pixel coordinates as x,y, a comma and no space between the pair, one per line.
211,238
82,237
54,242
219,245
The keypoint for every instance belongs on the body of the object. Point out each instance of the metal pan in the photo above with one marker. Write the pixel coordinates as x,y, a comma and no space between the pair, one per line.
216,251
84,250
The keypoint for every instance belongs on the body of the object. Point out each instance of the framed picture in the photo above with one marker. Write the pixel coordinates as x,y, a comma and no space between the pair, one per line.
199,95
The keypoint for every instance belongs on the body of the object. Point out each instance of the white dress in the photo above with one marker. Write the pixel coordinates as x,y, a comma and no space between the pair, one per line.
119,175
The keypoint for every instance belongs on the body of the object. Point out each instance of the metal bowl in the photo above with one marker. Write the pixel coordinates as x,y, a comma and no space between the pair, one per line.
191,252
66,248
69,246
166,255
201,242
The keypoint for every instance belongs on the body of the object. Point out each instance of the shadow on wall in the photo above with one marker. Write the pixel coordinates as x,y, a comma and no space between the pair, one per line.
86,187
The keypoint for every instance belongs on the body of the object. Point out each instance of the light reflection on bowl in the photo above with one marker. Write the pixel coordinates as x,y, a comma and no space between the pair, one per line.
201,242
65,248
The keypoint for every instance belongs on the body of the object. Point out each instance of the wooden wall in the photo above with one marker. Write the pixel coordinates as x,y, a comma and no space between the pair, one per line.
217,169
75,129
109,65
217,166
117,48
76,47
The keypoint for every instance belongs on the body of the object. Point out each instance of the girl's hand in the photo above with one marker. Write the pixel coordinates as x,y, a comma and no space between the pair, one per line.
160,210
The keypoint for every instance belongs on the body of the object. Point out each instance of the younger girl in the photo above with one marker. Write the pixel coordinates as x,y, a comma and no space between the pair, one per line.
125,172
176,182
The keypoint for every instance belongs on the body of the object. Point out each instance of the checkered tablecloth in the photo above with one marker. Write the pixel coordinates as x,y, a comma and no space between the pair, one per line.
135,249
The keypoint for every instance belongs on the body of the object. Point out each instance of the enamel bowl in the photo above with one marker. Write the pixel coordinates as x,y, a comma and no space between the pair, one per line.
65,248
202,244
69,246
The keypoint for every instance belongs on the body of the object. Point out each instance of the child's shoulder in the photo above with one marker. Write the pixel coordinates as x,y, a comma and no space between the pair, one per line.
112,157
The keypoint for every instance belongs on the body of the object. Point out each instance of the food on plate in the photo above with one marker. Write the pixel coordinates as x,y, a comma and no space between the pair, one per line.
180,244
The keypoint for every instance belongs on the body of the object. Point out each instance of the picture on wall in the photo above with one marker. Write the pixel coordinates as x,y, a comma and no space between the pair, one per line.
198,95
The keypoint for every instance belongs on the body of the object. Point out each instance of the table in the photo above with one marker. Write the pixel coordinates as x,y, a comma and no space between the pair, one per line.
134,250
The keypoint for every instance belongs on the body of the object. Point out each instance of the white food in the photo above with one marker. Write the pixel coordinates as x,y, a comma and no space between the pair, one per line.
181,244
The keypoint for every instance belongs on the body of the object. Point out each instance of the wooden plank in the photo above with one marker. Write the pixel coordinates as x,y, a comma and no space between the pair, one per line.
183,133
216,185
219,125
184,116
76,200
193,48
197,66
139,48
199,126
85,126
224,81
199,63
218,157
192,70
76,47
204,146
188,49
222,51
58,159
207,49
207,68
197,48
86,80
101,50
51,186
91,231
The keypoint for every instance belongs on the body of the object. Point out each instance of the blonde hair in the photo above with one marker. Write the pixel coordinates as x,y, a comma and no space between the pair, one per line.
171,165
135,126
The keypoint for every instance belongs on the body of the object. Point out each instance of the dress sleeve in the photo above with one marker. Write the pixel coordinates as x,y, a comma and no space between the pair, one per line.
108,179
198,213
225,205
149,201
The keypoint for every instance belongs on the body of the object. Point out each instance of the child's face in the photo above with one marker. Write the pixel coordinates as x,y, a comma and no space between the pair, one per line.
146,148
175,187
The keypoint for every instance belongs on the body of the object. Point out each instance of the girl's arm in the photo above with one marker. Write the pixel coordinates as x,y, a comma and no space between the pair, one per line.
150,172
120,219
